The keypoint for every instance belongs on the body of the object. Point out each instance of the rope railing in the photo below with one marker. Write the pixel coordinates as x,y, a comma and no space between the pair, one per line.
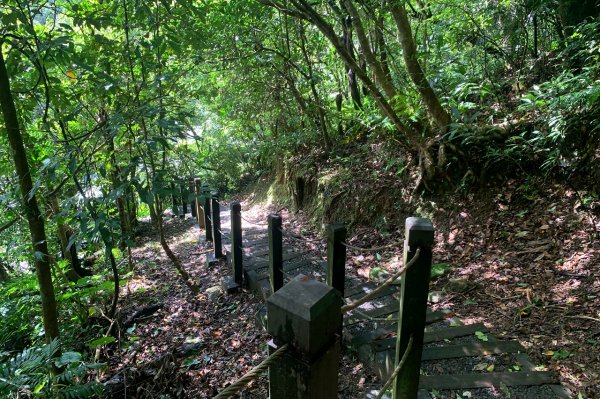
374,249
226,235
396,370
252,374
386,283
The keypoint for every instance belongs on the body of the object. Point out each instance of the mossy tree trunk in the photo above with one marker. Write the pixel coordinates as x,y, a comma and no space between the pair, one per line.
31,208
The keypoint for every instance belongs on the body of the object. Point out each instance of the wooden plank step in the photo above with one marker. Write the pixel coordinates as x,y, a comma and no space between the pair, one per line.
254,236
297,264
258,253
287,267
431,317
261,264
471,349
356,292
364,288
485,380
255,243
261,287
379,312
560,391
432,336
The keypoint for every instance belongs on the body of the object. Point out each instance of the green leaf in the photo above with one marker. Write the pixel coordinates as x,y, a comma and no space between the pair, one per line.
481,336
40,386
101,341
439,269
68,358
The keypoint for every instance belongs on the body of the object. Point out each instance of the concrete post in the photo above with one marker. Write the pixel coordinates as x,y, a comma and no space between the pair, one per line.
413,305
305,314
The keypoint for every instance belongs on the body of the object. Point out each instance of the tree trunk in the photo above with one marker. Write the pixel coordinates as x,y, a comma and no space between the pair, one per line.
352,81
380,76
32,210
64,234
440,117
322,121
574,12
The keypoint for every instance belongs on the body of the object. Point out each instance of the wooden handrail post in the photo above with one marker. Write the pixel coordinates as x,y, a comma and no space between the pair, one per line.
236,242
336,257
216,225
275,252
174,198
199,203
413,305
183,199
207,223
306,315
192,196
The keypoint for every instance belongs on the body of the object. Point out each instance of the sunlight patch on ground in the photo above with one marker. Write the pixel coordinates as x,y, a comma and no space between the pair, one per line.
561,291
139,283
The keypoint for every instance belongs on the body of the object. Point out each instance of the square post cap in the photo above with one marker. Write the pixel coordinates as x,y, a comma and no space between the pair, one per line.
419,232
306,314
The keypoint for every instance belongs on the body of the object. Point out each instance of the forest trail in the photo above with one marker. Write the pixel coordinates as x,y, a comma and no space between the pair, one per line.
198,345
456,357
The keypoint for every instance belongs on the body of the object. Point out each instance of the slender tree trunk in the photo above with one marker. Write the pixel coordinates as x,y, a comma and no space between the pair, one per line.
352,80
380,40
372,62
32,210
64,234
322,121
440,117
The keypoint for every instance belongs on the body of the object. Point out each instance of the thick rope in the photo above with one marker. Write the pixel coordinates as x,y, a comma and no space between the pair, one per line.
397,370
226,235
383,286
375,249
251,375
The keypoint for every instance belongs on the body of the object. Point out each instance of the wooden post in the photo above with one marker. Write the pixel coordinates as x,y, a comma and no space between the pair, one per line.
306,315
236,242
413,305
174,197
215,209
183,200
199,203
207,222
336,257
192,196
275,252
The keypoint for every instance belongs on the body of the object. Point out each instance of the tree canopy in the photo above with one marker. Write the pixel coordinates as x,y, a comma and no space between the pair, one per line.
106,103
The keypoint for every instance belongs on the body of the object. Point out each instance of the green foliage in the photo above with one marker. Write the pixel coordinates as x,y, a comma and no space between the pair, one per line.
38,371
439,269
19,310
562,106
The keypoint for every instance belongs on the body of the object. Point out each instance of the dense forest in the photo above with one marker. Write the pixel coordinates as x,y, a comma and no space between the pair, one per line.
353,111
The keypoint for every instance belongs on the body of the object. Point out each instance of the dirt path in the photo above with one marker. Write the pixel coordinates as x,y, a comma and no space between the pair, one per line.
192,346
